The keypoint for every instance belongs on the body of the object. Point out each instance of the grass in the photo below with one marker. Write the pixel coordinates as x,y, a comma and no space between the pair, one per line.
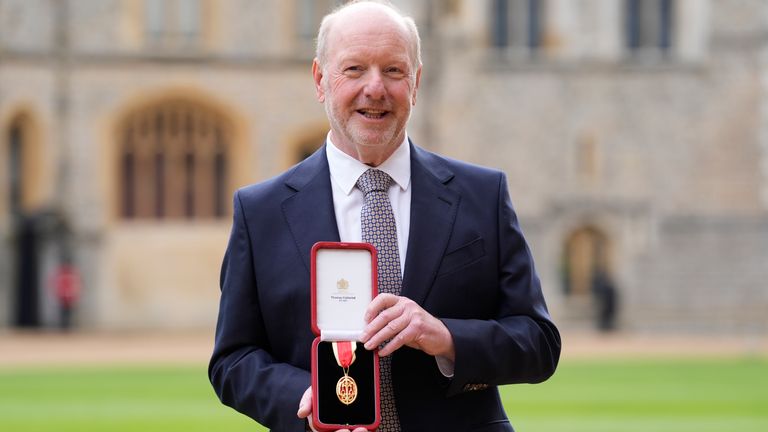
595,396
658,396
113,399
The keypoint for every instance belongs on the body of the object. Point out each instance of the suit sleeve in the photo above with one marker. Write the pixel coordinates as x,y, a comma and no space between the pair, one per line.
521,344
244,374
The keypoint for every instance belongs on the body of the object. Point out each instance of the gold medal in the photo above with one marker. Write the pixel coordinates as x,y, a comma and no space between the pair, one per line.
346,387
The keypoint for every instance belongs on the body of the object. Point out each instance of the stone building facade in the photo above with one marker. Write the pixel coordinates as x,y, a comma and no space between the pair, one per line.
634,135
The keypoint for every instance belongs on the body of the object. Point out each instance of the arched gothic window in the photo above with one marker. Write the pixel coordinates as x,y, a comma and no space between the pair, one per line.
174,163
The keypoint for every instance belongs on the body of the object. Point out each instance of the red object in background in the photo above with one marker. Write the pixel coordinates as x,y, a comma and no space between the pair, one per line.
66,280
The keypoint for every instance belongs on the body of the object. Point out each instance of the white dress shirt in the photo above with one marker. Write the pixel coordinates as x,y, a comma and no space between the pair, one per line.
348,202
348,199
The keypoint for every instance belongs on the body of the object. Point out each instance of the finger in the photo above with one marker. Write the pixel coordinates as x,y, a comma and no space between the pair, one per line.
379,303
378,324
382,317
305,405
404,337
390,330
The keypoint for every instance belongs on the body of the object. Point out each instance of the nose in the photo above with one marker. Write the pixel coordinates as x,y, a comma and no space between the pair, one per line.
374,85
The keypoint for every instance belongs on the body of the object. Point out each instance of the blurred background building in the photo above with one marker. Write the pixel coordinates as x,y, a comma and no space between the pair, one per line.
634,134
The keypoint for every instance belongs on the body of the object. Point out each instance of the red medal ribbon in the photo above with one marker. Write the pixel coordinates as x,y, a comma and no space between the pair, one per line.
345,353
346,388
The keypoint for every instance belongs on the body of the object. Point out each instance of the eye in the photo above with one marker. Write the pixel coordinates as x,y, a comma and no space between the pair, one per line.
394,71
354,69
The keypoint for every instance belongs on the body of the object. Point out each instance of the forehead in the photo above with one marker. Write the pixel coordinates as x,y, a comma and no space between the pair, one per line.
369,34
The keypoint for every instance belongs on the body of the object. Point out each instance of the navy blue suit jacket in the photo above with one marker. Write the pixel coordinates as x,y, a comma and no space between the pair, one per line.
467,263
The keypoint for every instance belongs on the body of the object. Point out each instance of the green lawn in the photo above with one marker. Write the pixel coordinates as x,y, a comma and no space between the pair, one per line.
648,396
594,396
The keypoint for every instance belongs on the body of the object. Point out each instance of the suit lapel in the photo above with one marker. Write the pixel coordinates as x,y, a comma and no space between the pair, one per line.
309,212
433,212
310,215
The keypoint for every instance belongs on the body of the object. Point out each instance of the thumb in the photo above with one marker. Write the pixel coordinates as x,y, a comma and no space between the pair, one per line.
305,405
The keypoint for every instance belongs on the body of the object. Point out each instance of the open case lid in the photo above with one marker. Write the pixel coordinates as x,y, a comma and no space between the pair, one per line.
343,284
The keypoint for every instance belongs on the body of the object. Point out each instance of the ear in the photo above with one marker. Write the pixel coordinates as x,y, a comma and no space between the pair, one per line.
317,75
416,87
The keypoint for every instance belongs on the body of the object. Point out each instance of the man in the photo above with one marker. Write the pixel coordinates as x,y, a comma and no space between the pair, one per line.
468,314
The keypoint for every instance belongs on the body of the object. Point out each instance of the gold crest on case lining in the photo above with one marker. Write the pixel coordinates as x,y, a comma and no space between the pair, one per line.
342,284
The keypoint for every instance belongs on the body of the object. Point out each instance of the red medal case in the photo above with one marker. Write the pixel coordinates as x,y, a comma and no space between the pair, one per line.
344,282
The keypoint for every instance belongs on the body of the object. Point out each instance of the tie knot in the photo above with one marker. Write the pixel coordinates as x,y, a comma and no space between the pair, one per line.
374,180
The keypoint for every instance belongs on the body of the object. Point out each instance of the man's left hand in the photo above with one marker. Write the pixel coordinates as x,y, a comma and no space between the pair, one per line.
401,321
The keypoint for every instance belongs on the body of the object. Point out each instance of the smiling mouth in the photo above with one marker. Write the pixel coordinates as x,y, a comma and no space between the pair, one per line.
372,114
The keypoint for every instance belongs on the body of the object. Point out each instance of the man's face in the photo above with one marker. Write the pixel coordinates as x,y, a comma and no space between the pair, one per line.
368,84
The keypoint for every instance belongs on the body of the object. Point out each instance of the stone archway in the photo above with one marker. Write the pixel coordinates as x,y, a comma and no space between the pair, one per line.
587,277
304,141
585,251
23,167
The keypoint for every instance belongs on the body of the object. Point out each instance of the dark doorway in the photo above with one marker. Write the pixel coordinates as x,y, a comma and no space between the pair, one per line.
25,235
27,273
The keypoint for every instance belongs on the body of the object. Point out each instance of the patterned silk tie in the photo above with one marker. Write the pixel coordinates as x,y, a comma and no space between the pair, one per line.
378,226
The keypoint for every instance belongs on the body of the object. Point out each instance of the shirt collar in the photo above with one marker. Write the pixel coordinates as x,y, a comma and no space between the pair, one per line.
345,170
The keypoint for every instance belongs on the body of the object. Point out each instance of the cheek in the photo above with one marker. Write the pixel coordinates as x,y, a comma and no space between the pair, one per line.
403,94
342,98
342,88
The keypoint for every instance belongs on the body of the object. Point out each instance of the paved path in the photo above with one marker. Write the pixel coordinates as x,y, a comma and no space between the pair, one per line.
55,348
95,348
591,345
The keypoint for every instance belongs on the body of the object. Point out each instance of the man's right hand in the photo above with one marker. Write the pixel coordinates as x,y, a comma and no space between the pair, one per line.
305,411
